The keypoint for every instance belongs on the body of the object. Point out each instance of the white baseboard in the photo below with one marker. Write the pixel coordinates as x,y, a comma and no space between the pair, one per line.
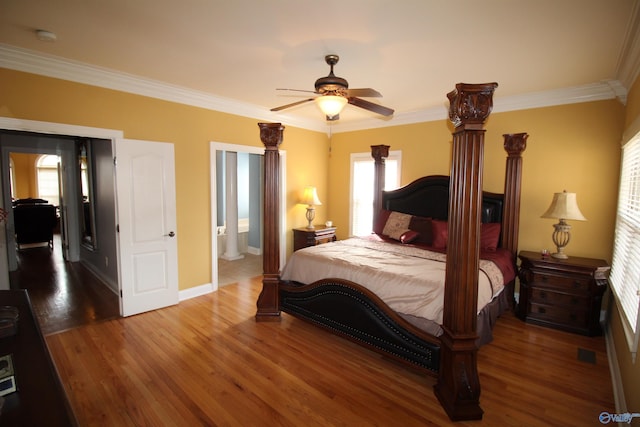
196,291
254,251
113,287
614,368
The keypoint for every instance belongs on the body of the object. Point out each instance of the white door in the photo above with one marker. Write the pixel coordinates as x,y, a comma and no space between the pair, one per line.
147,241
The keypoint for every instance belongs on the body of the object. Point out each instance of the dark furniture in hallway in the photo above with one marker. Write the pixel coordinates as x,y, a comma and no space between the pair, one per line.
34,223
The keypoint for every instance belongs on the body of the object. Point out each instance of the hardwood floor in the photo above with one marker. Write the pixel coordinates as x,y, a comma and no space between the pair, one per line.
206,362
63,295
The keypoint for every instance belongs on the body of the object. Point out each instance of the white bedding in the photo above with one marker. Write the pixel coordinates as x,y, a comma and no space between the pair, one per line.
408,279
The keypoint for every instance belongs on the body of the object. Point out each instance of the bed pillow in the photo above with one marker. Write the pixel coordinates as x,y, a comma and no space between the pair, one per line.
440,232
423,226
409,236
382,221
489,236
396,225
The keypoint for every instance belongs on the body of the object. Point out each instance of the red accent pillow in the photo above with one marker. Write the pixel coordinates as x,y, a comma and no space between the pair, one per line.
489,236
440,233
409,236
423,226
382,221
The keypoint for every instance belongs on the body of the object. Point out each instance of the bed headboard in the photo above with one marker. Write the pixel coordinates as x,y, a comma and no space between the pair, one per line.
429,197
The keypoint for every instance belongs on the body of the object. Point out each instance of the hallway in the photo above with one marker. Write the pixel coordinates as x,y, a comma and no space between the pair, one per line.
64,295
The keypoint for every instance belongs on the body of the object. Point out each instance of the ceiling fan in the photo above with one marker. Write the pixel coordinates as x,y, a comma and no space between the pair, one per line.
335,94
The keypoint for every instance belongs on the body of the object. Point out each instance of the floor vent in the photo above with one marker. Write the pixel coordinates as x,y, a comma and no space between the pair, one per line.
587,356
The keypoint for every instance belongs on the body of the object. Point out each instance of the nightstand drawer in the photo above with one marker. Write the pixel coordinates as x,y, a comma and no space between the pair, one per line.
544,296
577,284
560,315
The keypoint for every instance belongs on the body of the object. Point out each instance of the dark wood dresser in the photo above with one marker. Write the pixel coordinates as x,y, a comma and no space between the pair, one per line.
562,294
305,237
39,399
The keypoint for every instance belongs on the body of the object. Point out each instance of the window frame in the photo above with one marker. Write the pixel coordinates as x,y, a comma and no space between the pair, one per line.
623,271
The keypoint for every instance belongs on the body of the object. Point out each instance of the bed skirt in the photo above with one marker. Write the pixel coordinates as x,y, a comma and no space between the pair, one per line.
487,317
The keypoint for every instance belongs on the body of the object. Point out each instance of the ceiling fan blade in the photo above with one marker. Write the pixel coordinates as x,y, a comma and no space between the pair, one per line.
366,92
376,108
293,104
298,90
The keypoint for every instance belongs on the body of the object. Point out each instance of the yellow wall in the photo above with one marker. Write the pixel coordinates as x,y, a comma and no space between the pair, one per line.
573,147
33,97
24,173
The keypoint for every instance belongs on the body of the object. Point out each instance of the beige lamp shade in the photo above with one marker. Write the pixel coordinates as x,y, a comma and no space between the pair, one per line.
331,105
310,197
564,206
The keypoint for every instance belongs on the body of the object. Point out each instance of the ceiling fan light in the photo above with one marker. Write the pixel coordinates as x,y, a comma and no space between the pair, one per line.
331,105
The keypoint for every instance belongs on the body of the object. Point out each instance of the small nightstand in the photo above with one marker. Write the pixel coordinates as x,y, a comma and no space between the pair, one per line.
305,237
561,294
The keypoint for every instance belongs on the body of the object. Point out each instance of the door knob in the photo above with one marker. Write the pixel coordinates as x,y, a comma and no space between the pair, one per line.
171,234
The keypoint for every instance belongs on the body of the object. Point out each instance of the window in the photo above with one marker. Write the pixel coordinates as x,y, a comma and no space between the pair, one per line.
362,177
47,167
625,269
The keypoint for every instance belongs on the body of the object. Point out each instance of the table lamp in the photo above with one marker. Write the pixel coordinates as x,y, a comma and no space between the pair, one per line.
563,206
310,198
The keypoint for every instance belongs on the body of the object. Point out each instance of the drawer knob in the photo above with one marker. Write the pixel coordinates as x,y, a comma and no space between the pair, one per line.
576,284
542,310
543,295
574,301
544,278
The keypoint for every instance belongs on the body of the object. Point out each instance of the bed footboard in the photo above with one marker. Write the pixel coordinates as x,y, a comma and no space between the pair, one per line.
354,312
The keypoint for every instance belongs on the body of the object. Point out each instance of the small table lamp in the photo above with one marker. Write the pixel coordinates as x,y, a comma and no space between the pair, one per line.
563,207
310,198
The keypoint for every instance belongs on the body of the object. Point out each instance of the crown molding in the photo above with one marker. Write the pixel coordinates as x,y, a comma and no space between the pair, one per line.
36,63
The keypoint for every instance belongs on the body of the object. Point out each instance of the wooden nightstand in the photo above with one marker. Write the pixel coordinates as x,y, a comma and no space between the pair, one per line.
561,294
305,237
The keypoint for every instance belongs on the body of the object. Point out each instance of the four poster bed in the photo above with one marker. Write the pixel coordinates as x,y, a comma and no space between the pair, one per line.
428,285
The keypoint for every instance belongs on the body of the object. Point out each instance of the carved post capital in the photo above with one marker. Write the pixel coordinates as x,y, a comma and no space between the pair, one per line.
471,104
379,152
271,135
515,143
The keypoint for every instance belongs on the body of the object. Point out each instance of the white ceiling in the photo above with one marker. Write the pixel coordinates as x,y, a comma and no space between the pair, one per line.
236,53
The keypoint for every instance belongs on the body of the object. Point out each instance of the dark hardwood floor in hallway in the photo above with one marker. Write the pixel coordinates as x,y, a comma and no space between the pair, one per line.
64,295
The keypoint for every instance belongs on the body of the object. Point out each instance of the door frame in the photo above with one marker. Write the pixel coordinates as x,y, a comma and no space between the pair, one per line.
222,146
43,128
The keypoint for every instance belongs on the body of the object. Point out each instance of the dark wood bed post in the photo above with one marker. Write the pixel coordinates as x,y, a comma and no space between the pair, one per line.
458,386
379,153
514,144
268,303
